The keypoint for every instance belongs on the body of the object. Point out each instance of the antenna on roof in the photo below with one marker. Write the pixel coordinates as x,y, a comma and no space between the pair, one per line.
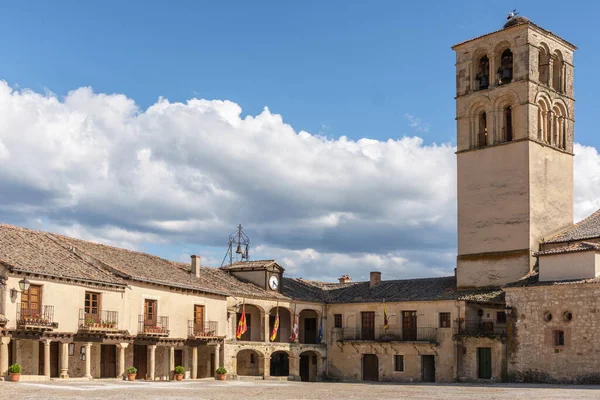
241,243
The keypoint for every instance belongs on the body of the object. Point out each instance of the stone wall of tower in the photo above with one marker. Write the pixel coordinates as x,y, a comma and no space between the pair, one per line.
512,191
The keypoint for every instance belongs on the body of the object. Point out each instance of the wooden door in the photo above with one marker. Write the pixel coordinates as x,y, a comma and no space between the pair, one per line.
370,368
484,362
178,358
199,319
304,368
92,307
367,325
140,360
31,301
428,368
108,361
213,367
54,359
310,330
41,358
409,325
150,316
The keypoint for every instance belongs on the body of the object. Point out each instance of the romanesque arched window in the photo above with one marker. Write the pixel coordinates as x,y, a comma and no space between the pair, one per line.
483,73
542,124
507,121
543,65
557,72
482,133
559,123
505,71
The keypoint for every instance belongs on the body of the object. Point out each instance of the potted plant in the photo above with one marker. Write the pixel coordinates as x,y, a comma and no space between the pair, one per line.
179,371
221,373
15,372
131,371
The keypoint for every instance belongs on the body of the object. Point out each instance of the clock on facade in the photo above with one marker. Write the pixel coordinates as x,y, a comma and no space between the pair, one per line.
273,282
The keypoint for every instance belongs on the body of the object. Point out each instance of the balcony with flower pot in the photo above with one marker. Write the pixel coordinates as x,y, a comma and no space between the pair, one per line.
101,322
41,319
153,327
203,329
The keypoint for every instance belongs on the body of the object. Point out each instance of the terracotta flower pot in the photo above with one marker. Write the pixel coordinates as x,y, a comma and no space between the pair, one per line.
131,377
14,377
221,377
179,377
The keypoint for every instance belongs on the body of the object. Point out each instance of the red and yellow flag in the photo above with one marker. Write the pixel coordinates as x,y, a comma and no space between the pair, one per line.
275,327
386,322
242,325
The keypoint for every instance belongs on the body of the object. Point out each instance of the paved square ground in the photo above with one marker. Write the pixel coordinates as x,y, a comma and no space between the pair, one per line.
272,390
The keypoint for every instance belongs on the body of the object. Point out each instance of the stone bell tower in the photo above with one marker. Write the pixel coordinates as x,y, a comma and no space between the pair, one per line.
515,118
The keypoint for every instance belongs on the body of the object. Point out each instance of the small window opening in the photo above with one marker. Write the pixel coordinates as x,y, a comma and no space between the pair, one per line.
505,71
501,317
508,130
548,317
543,66
559,338
483,133
337,320
483,74
445,320
557,75
399,363
568,316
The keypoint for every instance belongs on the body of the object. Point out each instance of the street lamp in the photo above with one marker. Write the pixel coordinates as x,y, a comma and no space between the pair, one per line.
24,284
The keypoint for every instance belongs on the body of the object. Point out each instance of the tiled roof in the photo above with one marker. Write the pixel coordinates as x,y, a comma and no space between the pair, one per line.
26,250
422,289
532,279
519,23
241,265
234,286
570,248
143,267
588,228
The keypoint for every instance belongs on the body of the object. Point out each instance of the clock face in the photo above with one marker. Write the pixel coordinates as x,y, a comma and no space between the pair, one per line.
273,282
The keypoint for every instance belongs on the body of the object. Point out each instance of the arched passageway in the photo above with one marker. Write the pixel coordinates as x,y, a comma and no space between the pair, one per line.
309,361
248,363
309,327
280,364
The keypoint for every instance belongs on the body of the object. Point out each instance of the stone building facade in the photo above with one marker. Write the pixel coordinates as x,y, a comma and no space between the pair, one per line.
523,304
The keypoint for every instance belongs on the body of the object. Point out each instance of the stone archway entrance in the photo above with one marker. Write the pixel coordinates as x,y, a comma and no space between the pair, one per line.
280,364
248,363
309,366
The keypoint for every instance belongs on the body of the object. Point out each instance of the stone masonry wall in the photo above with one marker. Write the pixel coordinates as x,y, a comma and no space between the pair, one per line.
533,353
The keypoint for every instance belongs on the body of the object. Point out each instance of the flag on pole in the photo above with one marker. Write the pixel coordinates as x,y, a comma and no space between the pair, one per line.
275,327
386,323
242,325
320,338
294,336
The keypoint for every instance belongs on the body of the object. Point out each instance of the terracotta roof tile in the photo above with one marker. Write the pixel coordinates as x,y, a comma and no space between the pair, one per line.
570,248
587,228
240,265
41,253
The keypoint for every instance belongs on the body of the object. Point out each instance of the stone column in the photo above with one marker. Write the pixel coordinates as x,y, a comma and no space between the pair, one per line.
121,369
152,369
47,357
294,367
171,362
4,341
194,362
217,357
232,325
64,360
264,324
88,360
264,365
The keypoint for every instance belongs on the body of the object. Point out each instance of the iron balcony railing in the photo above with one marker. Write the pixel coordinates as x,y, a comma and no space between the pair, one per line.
158,326
36,319
103,321
425,334
203,329
480,328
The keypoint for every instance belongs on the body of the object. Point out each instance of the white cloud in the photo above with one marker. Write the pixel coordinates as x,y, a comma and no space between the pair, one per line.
98,167
417,123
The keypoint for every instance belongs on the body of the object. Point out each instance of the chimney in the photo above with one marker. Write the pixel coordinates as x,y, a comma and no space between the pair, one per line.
344,278
375,278
196,266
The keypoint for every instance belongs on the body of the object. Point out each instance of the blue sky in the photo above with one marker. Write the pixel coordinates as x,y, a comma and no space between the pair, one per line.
380,70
